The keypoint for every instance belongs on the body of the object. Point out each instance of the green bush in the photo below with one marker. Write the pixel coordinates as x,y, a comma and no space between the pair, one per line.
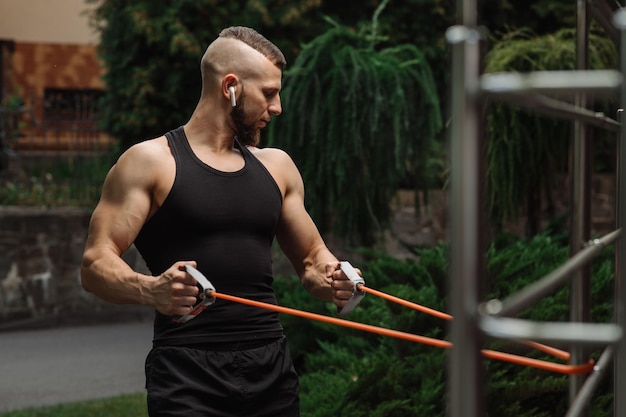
57,182
353,373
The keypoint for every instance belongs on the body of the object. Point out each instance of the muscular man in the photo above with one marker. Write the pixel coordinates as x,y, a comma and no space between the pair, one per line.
205,195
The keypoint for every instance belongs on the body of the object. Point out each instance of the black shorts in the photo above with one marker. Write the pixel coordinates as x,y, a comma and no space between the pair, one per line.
254,382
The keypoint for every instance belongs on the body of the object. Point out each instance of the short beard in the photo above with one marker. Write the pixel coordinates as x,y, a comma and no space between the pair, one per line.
247,135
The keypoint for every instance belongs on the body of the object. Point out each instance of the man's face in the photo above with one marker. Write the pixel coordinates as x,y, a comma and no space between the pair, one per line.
248,134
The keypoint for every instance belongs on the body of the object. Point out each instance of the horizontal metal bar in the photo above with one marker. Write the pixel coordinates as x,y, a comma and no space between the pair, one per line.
552,107
581,401
523,299
574,333
566,83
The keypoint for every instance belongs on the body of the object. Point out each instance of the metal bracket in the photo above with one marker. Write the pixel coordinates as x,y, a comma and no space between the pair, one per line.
205,296
357,293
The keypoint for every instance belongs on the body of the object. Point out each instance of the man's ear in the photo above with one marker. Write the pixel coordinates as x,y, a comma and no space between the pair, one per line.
229,85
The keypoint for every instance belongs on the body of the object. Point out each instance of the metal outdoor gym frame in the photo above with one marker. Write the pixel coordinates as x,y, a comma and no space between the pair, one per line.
476,319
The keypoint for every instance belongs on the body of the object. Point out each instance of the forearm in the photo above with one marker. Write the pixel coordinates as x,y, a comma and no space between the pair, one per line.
106,275
314,275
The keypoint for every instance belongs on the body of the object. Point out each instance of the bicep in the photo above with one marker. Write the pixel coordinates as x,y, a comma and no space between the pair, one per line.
123,208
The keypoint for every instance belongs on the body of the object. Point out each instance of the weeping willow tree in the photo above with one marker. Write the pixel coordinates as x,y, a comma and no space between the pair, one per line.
525,150
358,120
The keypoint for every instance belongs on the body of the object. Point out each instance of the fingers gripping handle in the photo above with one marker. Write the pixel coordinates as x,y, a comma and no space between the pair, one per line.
205,297
357,293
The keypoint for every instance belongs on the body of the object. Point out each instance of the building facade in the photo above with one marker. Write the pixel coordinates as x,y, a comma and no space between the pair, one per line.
50,74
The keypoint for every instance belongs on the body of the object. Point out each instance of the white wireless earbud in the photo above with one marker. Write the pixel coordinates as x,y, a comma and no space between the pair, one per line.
233,101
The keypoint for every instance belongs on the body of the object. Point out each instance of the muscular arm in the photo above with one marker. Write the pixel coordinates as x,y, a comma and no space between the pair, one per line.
301,241
125,204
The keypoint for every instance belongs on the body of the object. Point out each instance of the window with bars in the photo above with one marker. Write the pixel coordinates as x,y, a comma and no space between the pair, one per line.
71,108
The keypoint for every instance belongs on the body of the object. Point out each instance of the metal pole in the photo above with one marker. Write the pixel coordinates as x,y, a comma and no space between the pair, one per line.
620,252
465,379
551,107
563,83
551,282
580,405
602,12
568,333
580,230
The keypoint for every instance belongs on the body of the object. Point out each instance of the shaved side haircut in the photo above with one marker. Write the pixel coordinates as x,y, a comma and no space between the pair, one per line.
256,41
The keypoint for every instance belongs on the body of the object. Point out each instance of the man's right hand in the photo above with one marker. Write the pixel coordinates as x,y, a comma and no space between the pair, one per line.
175,292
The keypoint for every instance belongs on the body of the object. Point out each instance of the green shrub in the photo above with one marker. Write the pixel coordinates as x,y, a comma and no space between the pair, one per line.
353,373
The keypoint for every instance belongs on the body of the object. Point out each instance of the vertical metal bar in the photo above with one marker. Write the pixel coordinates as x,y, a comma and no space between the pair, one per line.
468,12
580,230
620,250
465,361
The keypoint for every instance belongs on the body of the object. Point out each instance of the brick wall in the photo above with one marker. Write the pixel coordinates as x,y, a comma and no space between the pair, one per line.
37,66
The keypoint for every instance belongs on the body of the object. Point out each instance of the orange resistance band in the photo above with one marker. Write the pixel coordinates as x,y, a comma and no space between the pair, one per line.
546,349
549,350
406,303
521,360
340,322
549,366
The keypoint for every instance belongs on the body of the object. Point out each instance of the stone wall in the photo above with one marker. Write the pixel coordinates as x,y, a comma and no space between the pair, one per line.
40,255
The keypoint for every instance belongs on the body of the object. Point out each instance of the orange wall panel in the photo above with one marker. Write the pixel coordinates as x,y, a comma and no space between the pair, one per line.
38,66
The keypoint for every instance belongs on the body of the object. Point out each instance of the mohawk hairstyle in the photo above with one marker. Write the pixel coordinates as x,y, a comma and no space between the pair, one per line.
256,41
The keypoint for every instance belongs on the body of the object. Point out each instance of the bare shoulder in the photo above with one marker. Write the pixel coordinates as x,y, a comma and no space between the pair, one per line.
147,152
139,167
271,154
281,166
276,161
142,158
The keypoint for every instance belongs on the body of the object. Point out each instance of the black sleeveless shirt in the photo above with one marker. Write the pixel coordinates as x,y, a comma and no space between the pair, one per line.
226,221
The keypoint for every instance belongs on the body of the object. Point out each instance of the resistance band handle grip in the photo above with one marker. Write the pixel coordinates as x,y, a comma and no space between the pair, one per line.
357,293
205,295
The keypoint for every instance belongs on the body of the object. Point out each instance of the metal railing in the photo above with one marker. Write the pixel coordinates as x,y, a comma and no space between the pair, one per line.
53,151
476,320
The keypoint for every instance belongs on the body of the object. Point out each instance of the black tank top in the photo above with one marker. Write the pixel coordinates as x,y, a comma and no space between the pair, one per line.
226,221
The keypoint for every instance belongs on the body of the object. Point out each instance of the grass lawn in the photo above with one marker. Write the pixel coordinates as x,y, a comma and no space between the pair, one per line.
123,406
